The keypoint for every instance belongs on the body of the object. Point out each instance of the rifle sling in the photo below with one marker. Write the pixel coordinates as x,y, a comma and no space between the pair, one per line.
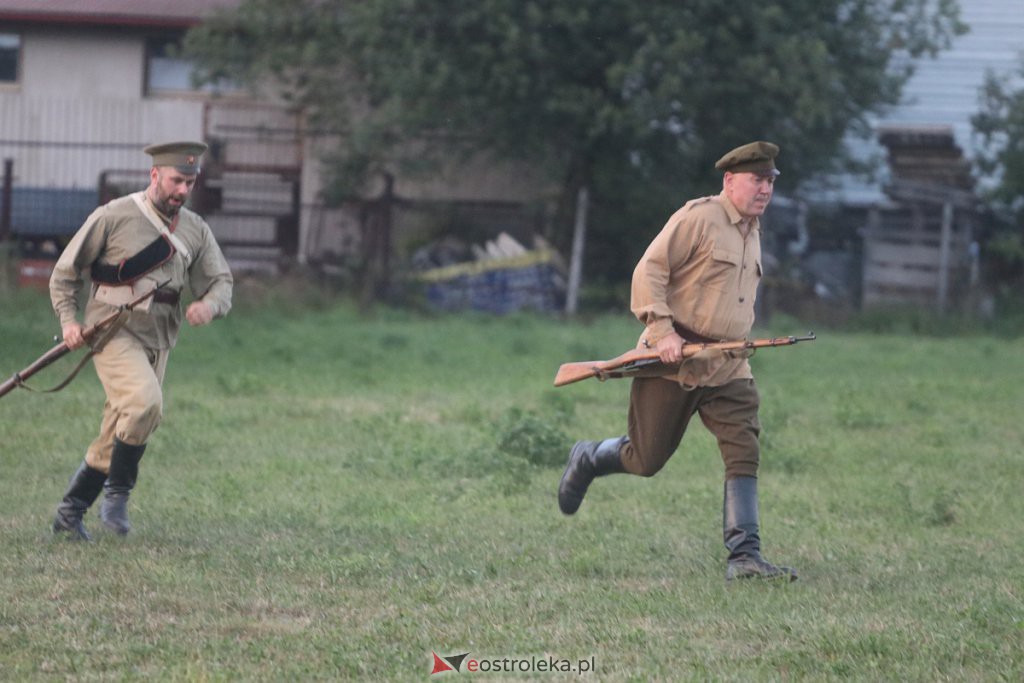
107,335
18,381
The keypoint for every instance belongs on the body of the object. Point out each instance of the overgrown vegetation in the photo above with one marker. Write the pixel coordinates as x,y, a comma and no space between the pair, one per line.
634,100
334,496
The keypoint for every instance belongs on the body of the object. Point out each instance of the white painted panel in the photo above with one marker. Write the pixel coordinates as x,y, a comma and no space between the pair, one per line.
901,255
875,276
73,63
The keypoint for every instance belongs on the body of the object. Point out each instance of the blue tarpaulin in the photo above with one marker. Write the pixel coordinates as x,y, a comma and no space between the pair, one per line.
532,281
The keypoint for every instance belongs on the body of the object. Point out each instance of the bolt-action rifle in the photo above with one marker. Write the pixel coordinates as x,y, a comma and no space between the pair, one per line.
635,360
61,349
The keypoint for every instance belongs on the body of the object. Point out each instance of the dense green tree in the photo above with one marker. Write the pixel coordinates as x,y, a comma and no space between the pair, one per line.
1000,126
634,99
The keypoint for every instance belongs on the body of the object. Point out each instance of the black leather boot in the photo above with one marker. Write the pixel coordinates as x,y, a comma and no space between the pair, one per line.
85,486
588,459
124,470
740,529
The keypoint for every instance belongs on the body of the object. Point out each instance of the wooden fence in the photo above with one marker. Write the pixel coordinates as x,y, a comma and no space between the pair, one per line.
919,252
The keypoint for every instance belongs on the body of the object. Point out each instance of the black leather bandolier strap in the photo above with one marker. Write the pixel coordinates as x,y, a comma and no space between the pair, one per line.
151,257
691,336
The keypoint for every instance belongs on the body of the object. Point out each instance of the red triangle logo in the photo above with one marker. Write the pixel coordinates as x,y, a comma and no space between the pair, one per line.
440,665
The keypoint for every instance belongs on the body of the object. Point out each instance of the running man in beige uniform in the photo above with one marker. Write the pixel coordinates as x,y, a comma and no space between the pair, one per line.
126,248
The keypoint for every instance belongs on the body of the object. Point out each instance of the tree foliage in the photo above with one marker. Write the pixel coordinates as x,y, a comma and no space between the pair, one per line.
635,99
1000,127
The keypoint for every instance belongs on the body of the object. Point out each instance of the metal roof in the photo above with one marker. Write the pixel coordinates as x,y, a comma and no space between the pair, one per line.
179,13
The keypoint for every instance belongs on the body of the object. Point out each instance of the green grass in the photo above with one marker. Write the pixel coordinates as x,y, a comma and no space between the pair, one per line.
333,496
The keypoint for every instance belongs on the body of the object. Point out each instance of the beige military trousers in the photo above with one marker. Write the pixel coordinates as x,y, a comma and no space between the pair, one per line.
132,377
660,410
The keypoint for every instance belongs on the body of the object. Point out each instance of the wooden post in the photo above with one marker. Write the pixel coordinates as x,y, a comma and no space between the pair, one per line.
869,293
579,234
386,219
945,246
5,200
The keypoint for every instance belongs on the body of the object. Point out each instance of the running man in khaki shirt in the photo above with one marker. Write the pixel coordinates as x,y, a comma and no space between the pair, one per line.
127,248
697,282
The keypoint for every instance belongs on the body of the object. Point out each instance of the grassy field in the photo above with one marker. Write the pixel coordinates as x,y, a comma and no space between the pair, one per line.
335,497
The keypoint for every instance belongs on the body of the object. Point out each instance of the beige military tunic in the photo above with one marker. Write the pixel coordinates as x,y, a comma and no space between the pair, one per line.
702,272
119,230
131,364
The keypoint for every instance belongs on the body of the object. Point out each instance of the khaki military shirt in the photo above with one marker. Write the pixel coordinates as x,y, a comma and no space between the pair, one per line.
119,230
701,271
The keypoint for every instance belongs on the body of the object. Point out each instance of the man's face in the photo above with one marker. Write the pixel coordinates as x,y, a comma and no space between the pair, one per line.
171,188
749,192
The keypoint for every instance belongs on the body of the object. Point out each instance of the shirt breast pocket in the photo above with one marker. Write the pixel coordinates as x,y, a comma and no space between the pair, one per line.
722,269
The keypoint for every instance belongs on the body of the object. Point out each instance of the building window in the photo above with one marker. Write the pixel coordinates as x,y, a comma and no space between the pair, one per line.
167,71
10,56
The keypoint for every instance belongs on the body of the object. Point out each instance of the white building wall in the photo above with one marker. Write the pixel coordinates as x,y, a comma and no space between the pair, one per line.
944,90
71,63
79,109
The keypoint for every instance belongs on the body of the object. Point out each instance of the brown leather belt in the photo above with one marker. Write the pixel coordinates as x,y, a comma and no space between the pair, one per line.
166,296
691,336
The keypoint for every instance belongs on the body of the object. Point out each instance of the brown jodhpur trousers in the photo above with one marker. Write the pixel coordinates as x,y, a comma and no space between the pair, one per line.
660,410
132,377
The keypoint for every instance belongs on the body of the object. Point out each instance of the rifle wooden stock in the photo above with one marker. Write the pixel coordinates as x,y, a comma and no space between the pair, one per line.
61,349
636,359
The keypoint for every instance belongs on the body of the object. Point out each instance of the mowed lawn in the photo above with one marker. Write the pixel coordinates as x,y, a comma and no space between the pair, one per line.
335,496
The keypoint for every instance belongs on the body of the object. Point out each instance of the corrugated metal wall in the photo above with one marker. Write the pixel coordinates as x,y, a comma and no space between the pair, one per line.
944,90
58,142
